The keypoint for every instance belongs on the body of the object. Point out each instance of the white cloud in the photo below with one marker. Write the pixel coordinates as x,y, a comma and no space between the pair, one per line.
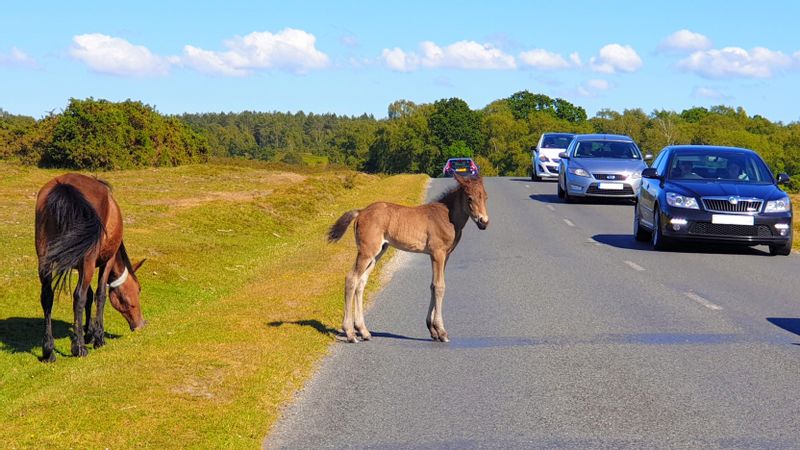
399,60
116,56
709,93
684,41
290,49
209,62
542,59
576,59
459,55
735,62
17,58
591,88
616,58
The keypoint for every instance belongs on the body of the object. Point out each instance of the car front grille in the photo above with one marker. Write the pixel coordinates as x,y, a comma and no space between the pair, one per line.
594,189
716,229
609,176
751,206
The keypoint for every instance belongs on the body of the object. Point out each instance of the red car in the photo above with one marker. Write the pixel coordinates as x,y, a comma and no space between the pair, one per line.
461,166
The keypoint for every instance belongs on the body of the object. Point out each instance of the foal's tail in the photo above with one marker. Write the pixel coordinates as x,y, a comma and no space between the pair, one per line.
78,231
337,230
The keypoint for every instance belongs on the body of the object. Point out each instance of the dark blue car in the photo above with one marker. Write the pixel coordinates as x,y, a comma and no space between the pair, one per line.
713,194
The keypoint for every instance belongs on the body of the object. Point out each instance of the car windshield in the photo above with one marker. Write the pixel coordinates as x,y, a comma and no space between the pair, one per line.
556,140
607,149
737,167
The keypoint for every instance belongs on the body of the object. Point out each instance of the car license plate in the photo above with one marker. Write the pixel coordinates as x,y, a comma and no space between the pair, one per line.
461,170
611,186
727,219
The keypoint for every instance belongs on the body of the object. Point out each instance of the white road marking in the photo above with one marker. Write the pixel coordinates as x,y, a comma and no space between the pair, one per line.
702,301
528,186
592,241
551,207
634,266
569,222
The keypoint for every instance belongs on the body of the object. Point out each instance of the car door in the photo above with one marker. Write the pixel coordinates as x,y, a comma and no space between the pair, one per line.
651,188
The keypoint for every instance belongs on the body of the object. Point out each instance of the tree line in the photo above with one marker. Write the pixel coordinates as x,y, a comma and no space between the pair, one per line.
98,134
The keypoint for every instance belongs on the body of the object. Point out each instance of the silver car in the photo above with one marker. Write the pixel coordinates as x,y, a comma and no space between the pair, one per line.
601,165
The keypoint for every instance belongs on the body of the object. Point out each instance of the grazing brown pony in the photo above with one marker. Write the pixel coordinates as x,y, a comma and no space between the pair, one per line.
434,228
79,226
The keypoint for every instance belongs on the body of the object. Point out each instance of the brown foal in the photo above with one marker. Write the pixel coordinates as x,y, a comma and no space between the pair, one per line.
434,228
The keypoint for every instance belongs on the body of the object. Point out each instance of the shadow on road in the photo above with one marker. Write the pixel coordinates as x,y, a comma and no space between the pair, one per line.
313,323
382,334
528,180
546,198
626,241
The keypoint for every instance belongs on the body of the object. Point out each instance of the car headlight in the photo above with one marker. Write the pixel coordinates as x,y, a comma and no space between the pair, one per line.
681,201
543,159
636,175
780,205
578,172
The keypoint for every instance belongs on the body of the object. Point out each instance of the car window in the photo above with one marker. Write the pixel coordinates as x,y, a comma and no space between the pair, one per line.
658,159
737,167
556,141
607,149
661,162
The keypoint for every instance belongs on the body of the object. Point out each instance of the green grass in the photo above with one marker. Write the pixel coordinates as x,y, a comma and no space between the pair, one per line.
241,291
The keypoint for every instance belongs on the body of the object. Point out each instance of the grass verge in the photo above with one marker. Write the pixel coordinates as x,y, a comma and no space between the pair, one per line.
242,294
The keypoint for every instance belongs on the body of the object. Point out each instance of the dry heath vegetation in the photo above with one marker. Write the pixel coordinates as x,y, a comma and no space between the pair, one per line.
242,293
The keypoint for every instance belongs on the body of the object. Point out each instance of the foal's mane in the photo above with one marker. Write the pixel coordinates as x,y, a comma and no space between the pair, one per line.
446,196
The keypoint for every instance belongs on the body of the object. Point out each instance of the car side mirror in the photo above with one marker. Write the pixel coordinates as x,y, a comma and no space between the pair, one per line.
650,173
783,178
648,157
563,155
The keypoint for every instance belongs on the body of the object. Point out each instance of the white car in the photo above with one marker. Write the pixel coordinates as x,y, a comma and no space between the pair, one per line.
544,157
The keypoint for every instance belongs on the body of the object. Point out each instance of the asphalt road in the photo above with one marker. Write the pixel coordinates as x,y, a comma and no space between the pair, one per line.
567,333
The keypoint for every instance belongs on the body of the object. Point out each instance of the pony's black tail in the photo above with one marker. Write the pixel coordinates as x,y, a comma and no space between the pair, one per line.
78,230
337,229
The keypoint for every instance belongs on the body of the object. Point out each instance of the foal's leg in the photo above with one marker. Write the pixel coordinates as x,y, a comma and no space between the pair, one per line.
434,320
47,306
98,327
361,325
78,305
350,287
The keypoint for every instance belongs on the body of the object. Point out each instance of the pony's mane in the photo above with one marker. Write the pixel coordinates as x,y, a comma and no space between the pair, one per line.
104,183
444,196
126,260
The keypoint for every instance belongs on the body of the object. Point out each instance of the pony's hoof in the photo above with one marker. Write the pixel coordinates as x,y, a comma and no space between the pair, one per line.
49,358
99,341
365,335
79,350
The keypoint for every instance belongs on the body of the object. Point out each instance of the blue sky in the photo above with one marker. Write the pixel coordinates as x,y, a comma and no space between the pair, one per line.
354,57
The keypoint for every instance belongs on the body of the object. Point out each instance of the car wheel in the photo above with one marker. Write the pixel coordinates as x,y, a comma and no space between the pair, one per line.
639,233
534,177
783,250
657,238
560,190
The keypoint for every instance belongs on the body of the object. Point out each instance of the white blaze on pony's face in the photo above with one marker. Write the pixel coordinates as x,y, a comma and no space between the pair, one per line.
476,200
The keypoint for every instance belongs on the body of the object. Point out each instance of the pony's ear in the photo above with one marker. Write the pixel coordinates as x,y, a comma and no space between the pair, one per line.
461,180
137,265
